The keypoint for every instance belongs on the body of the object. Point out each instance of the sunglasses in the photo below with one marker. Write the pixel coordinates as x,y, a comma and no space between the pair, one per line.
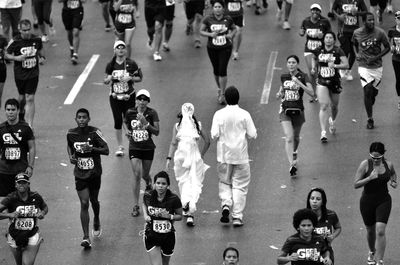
376,157
120,47
142,98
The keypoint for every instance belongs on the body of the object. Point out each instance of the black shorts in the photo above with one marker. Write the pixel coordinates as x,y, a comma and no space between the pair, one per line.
239,21
375,209
7,184
141,154
121,27
169,13
297,120
92,183
194,7
3,73
27,86
153,14
72,19
165,241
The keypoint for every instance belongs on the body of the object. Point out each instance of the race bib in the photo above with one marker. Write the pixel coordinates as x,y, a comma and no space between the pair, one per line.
12,153
162,226
350,20
233,6
313,44
140,135
219,40
24,224
72,4
85,163
29,62
326,72
292,95
120,87
124,18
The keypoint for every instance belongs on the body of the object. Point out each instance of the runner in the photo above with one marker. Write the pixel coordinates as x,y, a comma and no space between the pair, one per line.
85,144
279,13
231,256
377,7
219,28
234,9
394,38
24,208
231,126
161,208
329,59
375,204
328,225
72,16
125,23
313,27
26,50
142,122
43,13
11,12
291,112
194,10
368,41
305,247
121,73
169,18
17,146
348,13
105,7
3,67
189,166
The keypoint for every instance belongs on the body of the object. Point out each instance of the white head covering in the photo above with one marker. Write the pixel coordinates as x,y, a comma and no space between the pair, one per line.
187,128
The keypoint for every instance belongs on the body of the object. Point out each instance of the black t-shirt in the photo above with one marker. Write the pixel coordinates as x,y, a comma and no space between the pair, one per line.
117,71
314,32
223,25
28,68
88,163
14,147
326,227
394,36
293,92
324,57
348,8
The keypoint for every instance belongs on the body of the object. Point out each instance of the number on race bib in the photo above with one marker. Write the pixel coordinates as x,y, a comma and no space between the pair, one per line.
29,62
140,135
219,40
125,18
85,163
72,4
233,6
327,72
120,87
292,95
313,44
24,223
350,20
162,226
13,153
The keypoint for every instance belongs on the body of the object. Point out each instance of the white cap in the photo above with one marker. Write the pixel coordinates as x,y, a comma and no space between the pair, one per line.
143,92
317,6
118,43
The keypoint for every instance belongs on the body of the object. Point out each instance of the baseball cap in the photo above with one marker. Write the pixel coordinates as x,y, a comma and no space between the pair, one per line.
118,43
143,92
316,6
22,177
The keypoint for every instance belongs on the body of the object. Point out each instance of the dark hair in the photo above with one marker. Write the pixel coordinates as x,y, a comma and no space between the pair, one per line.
180,116
12,102
232,95
25,22
304,214
377,147
82,110
365,15
162,174
213,2
294,57
324,201
330,32
232,249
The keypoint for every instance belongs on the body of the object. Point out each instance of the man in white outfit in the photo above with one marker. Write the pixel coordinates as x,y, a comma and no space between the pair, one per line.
231,126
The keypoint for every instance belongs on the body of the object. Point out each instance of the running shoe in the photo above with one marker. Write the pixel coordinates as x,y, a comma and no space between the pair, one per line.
323,137
349,76
45,38
235,56
332,127
313,99
165,47
135,211
189,29
52,30
157,57
107,28
342,73
225,214
279,14
74,59
237,222
389,9
97,231
293,170
371,258
370,124
190,221
197,44
86,244
120,151
185,207
286,25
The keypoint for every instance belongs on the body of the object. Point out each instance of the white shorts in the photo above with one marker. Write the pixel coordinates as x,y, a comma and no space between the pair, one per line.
33,240
370,75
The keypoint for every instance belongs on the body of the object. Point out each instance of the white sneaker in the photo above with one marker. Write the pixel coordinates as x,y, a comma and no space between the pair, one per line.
332,127
324,139
120,151
342,73
45,38
349,76
371,258
279,14
157,57
389,9
286,25
235,56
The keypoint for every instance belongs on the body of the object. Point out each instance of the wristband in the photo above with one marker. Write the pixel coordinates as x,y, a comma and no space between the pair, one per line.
172,217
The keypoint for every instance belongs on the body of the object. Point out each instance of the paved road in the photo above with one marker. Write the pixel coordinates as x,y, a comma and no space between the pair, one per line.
185,75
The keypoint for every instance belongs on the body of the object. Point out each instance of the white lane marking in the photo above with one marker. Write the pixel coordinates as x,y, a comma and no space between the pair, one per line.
81,80
268,77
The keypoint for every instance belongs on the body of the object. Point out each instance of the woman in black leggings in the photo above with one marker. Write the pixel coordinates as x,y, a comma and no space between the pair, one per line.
394,38
43,13
375,204
219,28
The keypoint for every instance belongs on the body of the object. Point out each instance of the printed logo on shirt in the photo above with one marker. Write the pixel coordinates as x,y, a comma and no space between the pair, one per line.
78,146
8,139
156,211
26,211
314,33
369,43
218,27
309,254
324,231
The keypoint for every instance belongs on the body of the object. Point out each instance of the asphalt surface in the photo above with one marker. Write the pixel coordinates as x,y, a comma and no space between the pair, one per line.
185,75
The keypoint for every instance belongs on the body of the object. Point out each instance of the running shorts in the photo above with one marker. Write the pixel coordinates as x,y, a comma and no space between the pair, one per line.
373,76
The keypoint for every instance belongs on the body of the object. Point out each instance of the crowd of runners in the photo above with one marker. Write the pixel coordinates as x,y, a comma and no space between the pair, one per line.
329,58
